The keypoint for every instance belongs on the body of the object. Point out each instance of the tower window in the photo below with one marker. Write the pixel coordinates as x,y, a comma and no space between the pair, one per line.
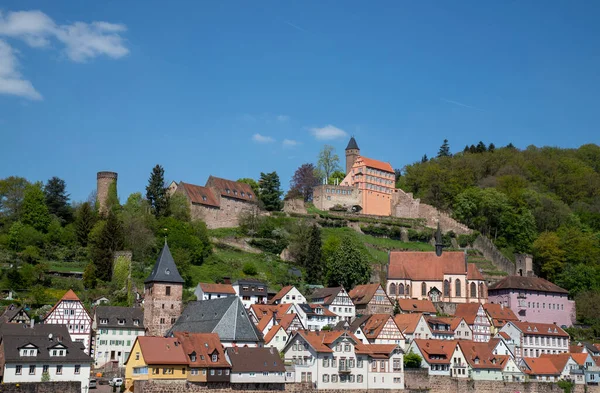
168,290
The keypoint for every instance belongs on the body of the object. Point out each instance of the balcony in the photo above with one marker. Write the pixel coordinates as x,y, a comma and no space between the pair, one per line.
344,369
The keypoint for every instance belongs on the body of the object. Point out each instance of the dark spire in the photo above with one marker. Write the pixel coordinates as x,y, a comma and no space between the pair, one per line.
438,241
165,269
352,144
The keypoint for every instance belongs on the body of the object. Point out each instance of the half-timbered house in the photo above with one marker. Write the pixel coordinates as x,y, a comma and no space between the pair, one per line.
71,312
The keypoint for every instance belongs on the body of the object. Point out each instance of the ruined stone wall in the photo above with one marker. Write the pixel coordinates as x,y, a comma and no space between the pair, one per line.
158,305
294,206
327,196
490,252
227,216
37,387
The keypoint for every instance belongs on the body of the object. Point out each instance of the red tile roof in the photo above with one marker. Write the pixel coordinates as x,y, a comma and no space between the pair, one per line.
415,305
427,266
480,355
580,358
200,195
540,329
70,295
375,324
467,311
281,294
576,348
559,360
527,283
376,164
499,314
541,366
362,294
205,345
327,294
436,351
162,350
272,332
232,189
217,288
286,320
407,323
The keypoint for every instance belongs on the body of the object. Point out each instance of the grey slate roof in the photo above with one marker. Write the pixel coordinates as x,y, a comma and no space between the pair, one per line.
165,269
352,144
10,312
328,294
245,359
114,314
225,316
17,336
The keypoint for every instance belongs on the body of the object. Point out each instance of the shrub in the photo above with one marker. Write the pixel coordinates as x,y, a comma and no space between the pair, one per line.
269,245
423,236
249,269
412,360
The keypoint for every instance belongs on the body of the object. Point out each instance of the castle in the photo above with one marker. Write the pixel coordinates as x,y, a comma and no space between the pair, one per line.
369,188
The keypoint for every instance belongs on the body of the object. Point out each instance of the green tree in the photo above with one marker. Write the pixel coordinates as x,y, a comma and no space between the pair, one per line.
348,266
138,227
12,192
15,236
412,360
57,200
249,269
580,278
179,207
328,162
548,255
303,181
300,235
396,308
156,192
444,149
34,209
251,182
270,191
314,257
85,218
109,240
121,272
337,177
89,276
424,159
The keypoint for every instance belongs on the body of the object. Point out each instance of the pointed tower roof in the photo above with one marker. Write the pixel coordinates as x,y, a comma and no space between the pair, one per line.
70,295
352,144
165,269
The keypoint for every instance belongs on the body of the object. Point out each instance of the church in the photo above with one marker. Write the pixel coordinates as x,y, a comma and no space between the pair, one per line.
437,276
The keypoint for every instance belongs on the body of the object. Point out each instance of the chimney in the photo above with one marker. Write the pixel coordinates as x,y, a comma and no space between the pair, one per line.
32,323
227,280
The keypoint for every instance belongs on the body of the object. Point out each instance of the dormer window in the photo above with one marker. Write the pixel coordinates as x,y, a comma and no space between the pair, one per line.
242,193
234,192
204,197
121,322
193,356
103,321
250,196
214,358
476,360
228,191
136,322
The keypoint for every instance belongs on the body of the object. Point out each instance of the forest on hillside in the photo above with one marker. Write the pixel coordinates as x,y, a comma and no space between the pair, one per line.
541,200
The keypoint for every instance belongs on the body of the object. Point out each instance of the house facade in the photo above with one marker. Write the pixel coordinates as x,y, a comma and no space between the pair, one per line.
382,329
436,355
533,339
116,330
71,312
206,291
256,366
335,300
413,326
439,278
29,354
477,319
288,295
250,291
370,299
534,299
15,314
316,316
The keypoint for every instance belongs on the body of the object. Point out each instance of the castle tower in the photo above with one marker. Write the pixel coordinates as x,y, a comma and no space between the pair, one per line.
104,181
163,291
352,153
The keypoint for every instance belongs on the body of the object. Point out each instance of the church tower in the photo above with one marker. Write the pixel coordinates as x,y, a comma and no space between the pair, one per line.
352,153
163,292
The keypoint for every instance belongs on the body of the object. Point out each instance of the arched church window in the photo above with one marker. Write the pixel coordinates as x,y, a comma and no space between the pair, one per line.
392,289
400,289
473,290
423,289
457,289
446,288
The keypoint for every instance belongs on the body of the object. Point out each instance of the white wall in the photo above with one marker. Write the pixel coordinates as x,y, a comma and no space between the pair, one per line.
258,377
103,351
68,373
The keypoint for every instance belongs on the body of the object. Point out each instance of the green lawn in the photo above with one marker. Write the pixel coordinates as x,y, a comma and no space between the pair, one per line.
61,266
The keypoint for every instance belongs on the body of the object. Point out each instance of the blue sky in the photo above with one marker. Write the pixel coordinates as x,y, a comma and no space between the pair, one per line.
235,88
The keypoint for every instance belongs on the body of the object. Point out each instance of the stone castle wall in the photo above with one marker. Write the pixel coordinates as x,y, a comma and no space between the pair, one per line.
227,216
294,206
37,387
490,252
327,196
103,182
159,305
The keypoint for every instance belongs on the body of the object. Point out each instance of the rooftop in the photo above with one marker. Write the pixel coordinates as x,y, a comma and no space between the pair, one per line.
165,269
526,283
427,266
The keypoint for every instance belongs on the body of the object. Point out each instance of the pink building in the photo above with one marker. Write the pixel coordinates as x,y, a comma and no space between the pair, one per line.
534,299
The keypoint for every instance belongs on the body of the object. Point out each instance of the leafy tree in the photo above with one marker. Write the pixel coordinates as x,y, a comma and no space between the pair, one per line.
397,174
270,191
12,192
57,199
138,226
34,209
348,266
179,207
298,243
328,162
122,268
15,236
249,269
580,278
588,307
548,255
190,238
444,149
85,218
314,257
412,360
156,192
396,308
303,181
89,276
110,239
251,182
337,177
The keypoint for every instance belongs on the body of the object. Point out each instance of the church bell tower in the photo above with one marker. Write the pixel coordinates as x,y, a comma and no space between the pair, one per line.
352,153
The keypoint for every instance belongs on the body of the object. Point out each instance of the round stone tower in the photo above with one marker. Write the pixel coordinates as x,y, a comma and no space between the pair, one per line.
104,181
352,153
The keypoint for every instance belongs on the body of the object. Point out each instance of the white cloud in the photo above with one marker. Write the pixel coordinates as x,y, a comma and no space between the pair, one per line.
82,41
11,82
290,143
283,118
328,132
262,138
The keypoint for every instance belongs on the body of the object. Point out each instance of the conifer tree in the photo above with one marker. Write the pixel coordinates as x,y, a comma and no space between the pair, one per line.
491,147
156,192
348,266
314,257
424,159
84,222
57,199
270,191
396,307
34,209
444,149
109,241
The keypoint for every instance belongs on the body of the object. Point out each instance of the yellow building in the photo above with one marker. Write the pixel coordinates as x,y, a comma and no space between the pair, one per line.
153,358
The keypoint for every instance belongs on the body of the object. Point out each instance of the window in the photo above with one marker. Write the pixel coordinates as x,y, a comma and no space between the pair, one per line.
400,289
334,378
423,289
18,370
155,371
325,377
31,370
392,289
446,288
457,289
59,370
45,368
136,322
162,321
212,372
359,378
214,358
168,291
347,348
473,290
77,368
